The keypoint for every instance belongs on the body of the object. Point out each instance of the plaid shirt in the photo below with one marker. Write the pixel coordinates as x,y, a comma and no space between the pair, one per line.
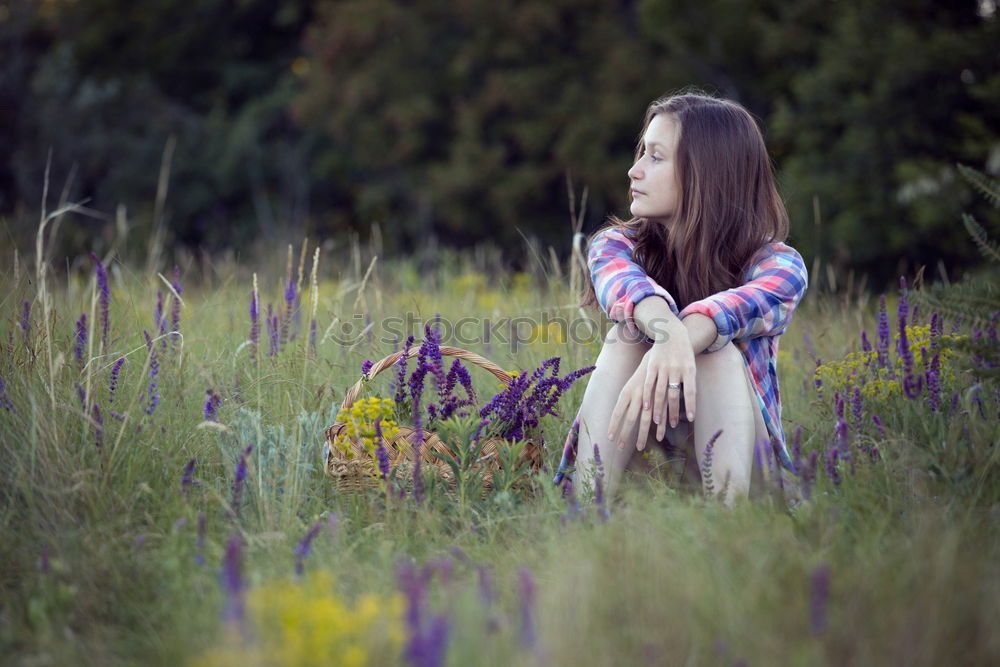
751,316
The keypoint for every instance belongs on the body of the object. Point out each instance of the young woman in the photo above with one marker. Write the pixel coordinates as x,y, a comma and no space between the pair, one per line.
706,240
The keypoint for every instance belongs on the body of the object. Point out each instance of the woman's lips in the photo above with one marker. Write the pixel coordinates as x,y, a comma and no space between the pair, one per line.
636,192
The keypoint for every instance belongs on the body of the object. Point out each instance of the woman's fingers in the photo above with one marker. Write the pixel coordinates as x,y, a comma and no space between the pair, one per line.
690,394
659,403
674,400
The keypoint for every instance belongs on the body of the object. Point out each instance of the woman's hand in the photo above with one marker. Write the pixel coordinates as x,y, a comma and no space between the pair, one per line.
648,394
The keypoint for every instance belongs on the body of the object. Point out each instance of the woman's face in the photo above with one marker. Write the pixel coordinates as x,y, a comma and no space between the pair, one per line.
655,179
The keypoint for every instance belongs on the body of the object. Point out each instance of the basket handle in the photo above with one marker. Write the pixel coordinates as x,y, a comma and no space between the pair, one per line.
446,350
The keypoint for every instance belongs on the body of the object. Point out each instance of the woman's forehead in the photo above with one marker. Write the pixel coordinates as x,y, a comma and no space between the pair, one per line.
662,129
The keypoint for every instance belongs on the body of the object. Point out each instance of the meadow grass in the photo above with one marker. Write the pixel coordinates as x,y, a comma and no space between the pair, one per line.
104,559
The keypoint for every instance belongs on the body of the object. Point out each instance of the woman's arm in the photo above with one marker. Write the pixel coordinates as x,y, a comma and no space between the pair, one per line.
620,282
763,306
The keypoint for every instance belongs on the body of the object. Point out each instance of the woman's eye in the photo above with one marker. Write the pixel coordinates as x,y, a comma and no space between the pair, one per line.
654,157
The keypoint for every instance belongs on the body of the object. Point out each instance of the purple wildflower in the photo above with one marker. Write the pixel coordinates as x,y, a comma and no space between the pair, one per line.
80,342
26,324
199,557
212,405
602,508
401,376
302,549
380,452
272,331
706,464
81,395
936,327
809,473
883,334
153,393
866,345
232,580
175,309
913,385
856,407
526,597
113,384
290,299
820,593
366,368
104,290
954,401
903,344
817,381
159,318
878,425
5,401
98,426
427,637
933,378
254,323
187,478
831,466
239,477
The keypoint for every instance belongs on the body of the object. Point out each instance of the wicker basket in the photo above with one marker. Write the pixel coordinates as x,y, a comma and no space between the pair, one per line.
359,471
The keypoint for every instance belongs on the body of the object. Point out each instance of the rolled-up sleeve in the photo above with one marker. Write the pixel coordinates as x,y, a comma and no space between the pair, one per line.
763,306
619,281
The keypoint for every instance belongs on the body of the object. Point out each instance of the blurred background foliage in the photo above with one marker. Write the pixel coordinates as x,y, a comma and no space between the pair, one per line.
460,120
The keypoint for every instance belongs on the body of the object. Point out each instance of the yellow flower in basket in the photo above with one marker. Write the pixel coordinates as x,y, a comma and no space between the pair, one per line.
359,423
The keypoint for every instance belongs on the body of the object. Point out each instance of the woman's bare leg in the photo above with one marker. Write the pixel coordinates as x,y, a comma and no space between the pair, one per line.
618,360
726,401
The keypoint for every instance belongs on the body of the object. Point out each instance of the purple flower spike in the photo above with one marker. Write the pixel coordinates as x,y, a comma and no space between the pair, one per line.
98,426
602,509
239,477
903,344
526,596
187,478
366,368
831,466
152,395
856,407
380,452
254,323
159,319
820,593
272,332
104,299
933,378
303,548
232,580
175,309
26,323
883,334
212,404
866,346
878,425
113,384
913,385
80,342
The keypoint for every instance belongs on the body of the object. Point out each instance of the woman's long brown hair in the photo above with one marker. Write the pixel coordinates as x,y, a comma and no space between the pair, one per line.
729,205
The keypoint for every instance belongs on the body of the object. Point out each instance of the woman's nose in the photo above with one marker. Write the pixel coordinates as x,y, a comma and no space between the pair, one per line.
635,173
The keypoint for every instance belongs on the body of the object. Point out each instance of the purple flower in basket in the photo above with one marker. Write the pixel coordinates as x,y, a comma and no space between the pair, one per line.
380,453
366,368
401,378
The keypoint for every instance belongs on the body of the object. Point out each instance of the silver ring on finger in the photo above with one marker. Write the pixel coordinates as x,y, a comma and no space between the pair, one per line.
673,385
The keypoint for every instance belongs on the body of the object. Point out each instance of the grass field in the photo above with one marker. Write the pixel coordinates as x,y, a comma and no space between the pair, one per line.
138,529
